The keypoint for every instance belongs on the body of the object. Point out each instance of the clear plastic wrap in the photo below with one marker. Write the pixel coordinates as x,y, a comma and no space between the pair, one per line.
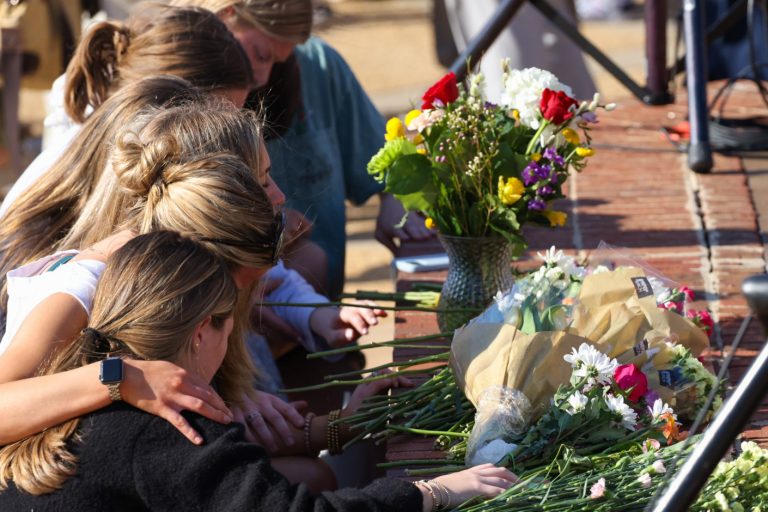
502,413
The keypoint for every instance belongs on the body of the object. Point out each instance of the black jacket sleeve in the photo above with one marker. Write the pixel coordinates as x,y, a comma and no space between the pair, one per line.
229,473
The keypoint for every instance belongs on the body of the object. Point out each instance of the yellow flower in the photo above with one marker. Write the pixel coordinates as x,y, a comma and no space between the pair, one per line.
418,139
410,116
516,115
585,152
430,223
555,218
395,129
511,191
571,136
535,157
421,151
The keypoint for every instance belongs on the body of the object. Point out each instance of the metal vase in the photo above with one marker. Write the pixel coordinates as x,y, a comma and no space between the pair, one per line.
478,267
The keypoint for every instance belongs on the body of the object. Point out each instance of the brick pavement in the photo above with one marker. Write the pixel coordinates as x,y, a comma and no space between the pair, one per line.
698,230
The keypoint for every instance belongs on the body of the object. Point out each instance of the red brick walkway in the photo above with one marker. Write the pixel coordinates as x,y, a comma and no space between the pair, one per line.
698,230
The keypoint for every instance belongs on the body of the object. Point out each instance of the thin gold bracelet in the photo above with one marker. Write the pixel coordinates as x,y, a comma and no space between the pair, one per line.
425,484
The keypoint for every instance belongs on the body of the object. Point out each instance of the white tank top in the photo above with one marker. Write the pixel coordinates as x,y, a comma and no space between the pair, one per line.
29,285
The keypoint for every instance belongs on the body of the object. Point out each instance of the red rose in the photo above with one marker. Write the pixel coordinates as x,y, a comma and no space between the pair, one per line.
629,376
444,92
555,106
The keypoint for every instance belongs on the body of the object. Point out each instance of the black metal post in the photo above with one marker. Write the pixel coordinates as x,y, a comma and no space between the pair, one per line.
656,52
485,38
699,150
730,420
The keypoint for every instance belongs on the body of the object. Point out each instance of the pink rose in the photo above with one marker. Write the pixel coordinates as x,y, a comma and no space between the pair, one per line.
689,295
629,376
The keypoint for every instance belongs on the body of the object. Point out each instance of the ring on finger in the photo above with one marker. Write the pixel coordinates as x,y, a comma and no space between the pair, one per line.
255,415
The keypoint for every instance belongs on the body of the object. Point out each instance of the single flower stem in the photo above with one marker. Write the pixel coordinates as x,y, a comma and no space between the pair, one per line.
391,343
535,139
367,306
403,364
355,382
425,432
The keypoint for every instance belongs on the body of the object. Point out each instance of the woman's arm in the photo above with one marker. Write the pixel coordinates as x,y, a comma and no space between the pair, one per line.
30,404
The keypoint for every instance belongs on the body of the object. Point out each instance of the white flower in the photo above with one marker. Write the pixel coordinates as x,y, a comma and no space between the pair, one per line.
598,489
551,257
659,408
659,467
577,402
617,406
523,89
590,363
645,480
477,86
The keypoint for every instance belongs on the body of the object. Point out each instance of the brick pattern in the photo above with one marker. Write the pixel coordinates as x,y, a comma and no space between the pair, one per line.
636,193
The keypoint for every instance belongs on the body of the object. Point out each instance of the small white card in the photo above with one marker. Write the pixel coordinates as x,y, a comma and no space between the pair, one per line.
425,263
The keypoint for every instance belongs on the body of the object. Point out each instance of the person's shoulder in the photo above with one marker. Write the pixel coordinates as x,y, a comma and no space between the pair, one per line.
317,52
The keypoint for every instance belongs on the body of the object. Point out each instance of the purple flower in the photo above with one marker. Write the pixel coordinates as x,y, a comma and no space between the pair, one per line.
546,190
489,105
543,172
530,174
537,204
589,117
551,155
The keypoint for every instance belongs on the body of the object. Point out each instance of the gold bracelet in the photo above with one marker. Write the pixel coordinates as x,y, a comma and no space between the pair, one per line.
333,433
440,489
425,484
307,433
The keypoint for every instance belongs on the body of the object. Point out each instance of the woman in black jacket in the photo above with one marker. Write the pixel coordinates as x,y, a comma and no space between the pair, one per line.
164,297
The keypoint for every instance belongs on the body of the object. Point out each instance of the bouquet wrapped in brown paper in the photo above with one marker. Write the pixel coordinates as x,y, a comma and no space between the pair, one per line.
616,311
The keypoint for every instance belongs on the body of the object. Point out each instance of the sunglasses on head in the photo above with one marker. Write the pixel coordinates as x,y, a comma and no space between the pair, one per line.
276,244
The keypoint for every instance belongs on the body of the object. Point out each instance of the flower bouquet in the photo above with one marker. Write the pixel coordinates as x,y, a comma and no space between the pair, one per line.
478,169
479,172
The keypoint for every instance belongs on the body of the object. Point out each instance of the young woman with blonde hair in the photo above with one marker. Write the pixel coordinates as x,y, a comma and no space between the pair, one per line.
167,298
189,43
172,174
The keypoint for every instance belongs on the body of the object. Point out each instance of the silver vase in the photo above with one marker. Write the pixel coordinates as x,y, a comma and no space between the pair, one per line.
478,267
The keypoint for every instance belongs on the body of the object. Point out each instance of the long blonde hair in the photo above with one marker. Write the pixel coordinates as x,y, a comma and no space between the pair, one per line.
289,20
187,42
44,213
153,293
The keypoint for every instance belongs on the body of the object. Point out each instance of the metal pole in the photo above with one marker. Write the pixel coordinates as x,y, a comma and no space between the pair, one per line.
699,150
485,38
656,52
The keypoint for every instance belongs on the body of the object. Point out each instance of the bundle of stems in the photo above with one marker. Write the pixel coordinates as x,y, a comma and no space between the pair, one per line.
438,407
566,483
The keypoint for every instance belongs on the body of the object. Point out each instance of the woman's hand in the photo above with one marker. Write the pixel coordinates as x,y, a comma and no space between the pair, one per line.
345,325
164,389
391,213
269,420
375,387
484,480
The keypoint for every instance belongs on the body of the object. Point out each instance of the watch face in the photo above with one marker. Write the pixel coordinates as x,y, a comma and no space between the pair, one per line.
111,370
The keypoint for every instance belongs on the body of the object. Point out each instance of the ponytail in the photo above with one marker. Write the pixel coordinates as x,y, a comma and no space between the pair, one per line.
93,69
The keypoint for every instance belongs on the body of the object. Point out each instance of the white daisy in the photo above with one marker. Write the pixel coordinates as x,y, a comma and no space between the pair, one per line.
577,402
590,363
659,407
617,406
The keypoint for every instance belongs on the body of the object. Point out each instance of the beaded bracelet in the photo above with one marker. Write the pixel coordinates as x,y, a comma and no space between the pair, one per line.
333,433
307,433
442,489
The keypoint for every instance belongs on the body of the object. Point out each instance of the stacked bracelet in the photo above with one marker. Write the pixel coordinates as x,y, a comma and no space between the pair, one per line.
333,433
307,433
436,497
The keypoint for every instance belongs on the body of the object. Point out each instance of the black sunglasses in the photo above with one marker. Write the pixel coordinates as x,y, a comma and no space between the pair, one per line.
276,244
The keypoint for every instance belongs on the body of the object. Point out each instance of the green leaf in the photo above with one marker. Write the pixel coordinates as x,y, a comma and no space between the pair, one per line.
408,174
420,201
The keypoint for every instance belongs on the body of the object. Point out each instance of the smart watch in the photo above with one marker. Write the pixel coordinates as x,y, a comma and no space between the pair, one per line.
111,375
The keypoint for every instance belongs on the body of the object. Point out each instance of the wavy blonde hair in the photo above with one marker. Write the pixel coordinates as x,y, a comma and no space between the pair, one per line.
289,20
44,213
187,42
153,293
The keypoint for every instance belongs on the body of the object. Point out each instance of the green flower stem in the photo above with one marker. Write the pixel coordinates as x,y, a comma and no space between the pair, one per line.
354,382
535,138
443,356
391,343
442,470
414,462
366,306
424,432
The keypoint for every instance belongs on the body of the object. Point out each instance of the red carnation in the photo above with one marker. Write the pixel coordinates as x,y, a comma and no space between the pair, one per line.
443,92
629,376
556,106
